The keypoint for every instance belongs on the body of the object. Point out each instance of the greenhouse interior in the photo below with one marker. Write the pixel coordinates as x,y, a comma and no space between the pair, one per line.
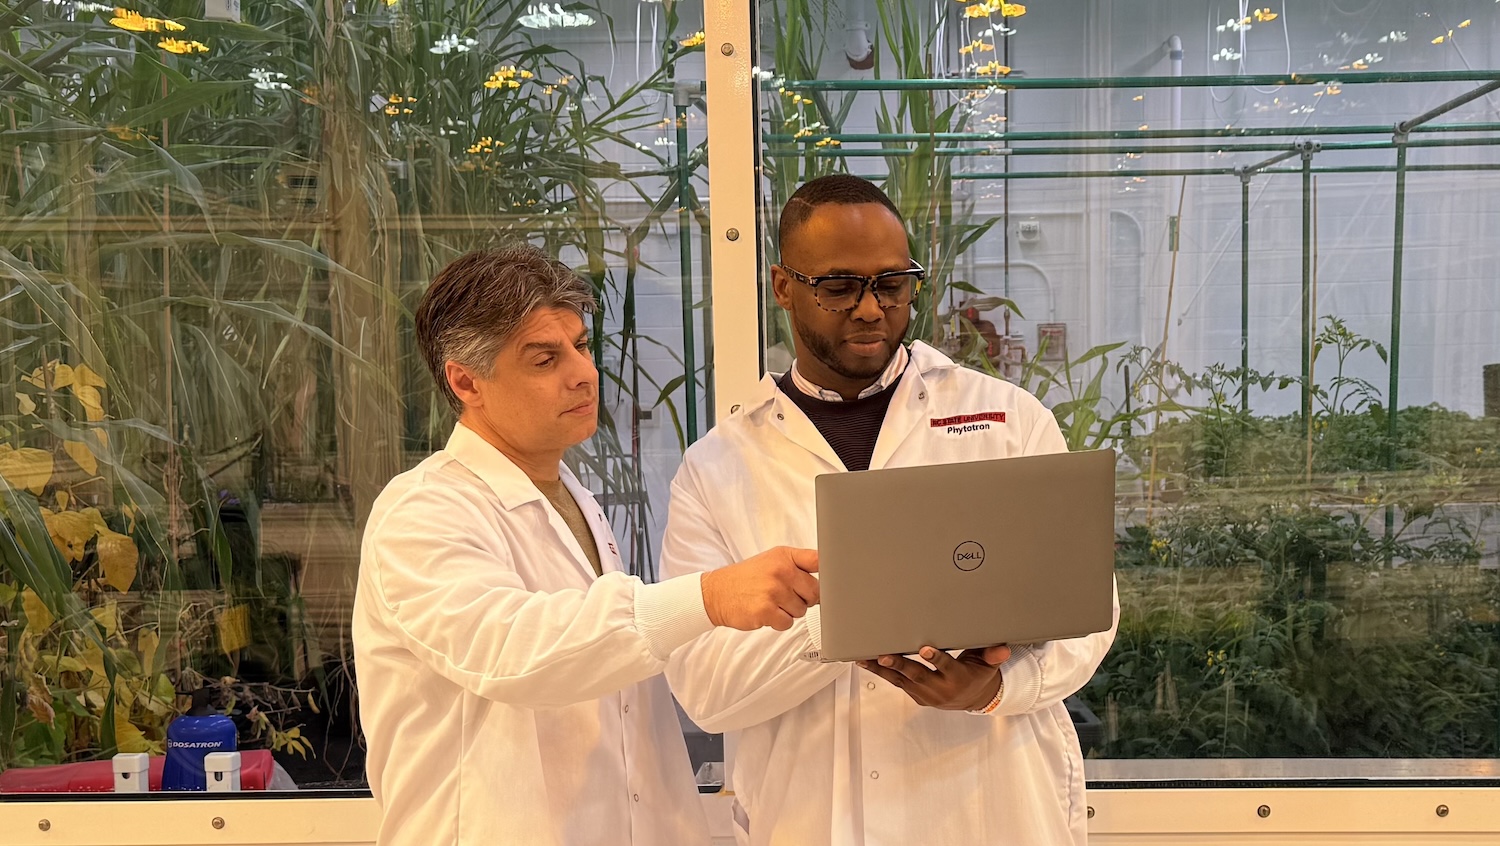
1251,249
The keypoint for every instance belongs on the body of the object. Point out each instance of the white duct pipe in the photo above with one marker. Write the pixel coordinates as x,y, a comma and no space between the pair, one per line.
858,49
1174,53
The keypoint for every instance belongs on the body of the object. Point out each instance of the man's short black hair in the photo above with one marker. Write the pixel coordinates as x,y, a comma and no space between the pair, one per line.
839,189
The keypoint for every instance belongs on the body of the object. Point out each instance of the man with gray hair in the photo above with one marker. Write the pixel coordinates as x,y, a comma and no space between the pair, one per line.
508,667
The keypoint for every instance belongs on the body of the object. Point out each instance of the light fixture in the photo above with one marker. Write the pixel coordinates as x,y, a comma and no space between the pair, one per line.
554,16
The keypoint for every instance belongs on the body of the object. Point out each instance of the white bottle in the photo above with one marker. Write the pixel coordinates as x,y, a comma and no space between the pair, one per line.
132,772
222,771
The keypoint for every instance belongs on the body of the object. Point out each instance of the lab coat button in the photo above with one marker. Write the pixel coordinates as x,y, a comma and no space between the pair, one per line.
780,416
922,396
874,774
636,797
627,709
870,685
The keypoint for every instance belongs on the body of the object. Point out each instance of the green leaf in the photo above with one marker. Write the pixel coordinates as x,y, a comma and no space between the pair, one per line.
30,67
187,181
49,130
54,309
297,252
179,101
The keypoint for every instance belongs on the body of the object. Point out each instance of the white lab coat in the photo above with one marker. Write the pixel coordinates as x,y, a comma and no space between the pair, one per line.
830,753
507,694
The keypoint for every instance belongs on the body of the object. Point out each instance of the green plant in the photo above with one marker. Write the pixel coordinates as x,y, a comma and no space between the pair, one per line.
1279,631
919,180
215,231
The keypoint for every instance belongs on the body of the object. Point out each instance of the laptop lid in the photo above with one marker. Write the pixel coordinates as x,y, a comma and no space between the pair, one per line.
1012,550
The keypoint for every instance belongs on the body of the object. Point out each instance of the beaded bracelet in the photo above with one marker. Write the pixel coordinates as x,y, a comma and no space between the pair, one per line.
994,703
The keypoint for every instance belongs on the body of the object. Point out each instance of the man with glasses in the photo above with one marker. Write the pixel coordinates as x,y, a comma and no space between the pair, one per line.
973,748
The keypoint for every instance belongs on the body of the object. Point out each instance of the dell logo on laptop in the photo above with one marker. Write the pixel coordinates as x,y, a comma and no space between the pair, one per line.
968,556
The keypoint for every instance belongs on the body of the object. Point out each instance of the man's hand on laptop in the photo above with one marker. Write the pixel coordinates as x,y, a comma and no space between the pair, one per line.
770,589
966,683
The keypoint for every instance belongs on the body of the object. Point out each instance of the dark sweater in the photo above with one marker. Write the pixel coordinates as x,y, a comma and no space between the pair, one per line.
850,427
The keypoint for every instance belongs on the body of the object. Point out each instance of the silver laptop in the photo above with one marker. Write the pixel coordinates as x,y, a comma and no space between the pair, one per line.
1011,550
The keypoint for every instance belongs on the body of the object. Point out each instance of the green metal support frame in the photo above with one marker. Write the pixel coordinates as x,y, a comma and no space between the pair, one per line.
1093,82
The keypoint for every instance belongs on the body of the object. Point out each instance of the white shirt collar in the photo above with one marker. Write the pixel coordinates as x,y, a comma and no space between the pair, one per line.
888,377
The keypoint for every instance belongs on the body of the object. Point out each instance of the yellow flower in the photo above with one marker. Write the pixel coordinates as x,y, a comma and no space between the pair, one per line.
966,49
180,47
136,22
694,40
992,69
1440,39
526,74
978,10
1265,15
129,21
1466,23
802,133
513,84
1012,10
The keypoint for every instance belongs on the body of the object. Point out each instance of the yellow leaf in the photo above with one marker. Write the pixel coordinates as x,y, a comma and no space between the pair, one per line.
85,375
108,616
92,658
118,557
234,628
71,532
103,438
148,641
79,452
38,617
95,519
26,468
91,400
63,664
128,738
62,500
39,700
28,405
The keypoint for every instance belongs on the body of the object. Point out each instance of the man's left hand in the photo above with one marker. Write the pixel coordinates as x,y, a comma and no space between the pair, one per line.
966,683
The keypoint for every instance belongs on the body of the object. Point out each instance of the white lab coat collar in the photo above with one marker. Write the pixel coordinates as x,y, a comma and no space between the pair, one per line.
515,489
509,482
770,405
924,360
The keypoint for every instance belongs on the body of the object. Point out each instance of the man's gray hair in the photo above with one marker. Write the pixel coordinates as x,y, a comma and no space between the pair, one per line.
481,298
